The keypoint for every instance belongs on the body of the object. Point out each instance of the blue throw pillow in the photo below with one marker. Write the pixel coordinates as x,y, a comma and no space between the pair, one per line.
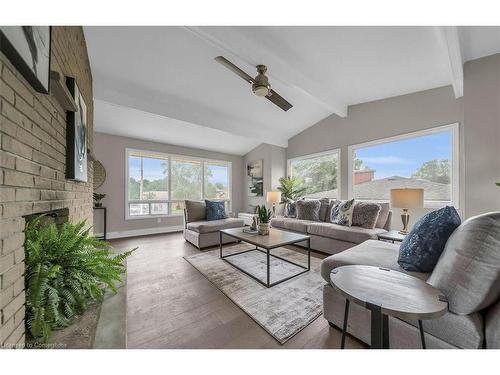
216,210
422,247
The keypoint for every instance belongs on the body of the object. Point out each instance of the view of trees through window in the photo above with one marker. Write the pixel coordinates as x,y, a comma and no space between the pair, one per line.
318,175
149,179
418,162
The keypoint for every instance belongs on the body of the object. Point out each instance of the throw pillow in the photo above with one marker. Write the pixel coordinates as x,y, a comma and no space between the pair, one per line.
290,210
323,209
195,210
365,214
308,210
342,213
216,210
383,215
422,247
468,271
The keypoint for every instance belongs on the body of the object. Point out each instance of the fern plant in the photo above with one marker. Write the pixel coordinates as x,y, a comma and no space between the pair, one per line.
66,268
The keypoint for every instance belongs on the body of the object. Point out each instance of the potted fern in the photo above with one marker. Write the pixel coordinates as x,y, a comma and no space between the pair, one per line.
66,269
264,215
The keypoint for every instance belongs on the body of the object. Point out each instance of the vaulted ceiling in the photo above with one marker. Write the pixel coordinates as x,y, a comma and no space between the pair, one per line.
162,83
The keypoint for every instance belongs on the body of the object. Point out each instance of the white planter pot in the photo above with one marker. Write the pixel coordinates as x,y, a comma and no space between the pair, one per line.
264,229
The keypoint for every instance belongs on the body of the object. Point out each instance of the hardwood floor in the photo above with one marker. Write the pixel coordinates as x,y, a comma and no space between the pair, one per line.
171,305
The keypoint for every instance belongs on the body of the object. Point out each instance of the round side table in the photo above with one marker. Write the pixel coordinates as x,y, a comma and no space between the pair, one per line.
387,293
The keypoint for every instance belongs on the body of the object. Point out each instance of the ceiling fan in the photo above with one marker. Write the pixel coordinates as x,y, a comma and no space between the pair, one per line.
260,84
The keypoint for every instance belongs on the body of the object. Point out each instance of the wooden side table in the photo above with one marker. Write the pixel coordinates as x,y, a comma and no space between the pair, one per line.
392,235
387,293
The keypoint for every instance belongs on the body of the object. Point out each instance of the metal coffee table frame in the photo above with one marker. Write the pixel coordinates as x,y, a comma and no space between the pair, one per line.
267,251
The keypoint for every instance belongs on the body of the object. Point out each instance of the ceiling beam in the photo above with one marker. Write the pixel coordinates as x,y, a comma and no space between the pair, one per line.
332,105
455,57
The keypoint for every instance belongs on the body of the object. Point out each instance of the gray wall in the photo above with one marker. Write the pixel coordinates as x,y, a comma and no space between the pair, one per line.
380,119
274,167
482,134
110,150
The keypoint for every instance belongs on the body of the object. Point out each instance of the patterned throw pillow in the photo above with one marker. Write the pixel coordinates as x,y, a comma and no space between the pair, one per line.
365,214
422,247
216,210
342,213
308,210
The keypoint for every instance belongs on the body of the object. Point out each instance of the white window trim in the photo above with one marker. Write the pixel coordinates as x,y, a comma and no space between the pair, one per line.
455,170
169,157
316,155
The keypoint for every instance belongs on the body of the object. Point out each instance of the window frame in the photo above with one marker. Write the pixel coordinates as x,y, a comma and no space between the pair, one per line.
168,157
455,155
336,151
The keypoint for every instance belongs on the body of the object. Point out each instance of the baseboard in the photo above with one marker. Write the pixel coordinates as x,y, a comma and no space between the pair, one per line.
145,232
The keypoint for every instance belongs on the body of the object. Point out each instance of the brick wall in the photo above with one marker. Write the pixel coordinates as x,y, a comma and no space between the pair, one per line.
32,166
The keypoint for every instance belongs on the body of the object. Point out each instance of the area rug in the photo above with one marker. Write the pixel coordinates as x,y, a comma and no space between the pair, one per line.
282,310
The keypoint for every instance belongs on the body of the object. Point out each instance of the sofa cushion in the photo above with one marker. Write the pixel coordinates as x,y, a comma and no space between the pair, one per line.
215,225
216,210
422,247
468,272
369,253
195,210
383,215
365,214
292,224
340,232
308,209
341,213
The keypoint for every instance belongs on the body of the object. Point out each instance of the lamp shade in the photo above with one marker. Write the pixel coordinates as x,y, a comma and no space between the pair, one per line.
273,197
407,198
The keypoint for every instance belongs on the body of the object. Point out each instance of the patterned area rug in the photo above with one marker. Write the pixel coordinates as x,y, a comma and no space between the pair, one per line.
282,310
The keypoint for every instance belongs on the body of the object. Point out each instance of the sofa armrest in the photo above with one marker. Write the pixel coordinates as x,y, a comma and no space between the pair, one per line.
492,326
185,218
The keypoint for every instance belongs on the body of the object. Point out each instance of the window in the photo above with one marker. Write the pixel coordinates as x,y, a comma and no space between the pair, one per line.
426,159
318,174
158,184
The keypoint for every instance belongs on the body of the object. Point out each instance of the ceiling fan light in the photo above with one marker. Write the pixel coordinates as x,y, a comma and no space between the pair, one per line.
261,90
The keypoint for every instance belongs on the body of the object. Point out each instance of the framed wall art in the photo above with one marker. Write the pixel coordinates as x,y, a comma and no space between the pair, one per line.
76,136
28,49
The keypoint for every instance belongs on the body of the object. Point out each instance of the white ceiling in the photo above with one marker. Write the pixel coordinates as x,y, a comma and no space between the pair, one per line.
185,97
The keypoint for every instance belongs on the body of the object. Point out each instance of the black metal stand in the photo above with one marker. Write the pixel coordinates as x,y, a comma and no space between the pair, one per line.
422,337
344,326
379,327
267,283
104,233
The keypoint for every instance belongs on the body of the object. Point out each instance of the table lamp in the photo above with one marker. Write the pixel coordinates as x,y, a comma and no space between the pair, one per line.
405,199
273,197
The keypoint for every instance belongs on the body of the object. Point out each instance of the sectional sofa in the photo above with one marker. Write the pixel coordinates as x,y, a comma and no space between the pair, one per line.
332,238
468,273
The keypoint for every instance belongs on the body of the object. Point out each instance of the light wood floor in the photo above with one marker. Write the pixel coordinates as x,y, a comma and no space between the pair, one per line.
171,305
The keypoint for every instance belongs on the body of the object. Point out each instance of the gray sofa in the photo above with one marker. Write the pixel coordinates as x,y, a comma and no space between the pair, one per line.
203,233
468,273
332,238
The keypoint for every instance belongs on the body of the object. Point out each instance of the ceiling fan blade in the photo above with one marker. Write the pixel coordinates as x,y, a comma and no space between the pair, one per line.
279,100
228,64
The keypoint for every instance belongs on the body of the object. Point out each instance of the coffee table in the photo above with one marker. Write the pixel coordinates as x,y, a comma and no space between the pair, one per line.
264,244
386,293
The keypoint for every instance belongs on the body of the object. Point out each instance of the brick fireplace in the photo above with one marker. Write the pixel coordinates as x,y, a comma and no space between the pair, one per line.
32,167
